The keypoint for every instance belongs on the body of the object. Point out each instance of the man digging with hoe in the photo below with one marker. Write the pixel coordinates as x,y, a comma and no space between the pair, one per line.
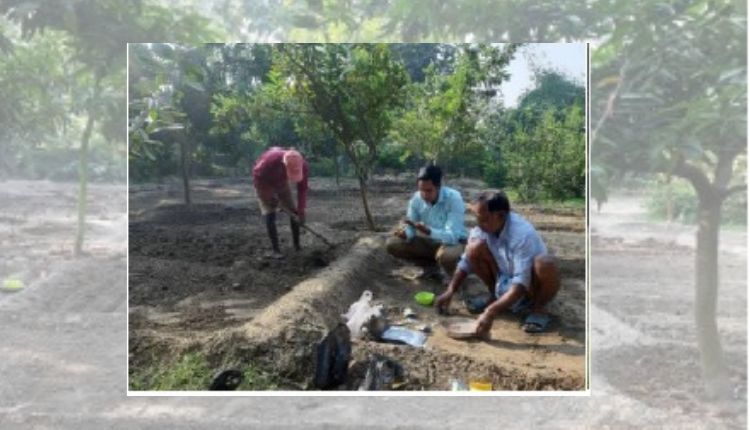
273,174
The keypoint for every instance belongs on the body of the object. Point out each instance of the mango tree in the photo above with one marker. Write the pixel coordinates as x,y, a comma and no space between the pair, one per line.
353,90
678,107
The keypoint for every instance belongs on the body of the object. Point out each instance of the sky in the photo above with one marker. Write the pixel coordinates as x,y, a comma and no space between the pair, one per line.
569,58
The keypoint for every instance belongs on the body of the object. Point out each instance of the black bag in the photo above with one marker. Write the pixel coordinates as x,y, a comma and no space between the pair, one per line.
332,358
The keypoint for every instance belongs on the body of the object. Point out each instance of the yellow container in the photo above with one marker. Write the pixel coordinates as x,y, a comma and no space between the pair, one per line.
480,386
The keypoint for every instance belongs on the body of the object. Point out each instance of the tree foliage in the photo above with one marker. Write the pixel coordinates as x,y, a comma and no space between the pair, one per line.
352,90
454,116
441,121
94,32
539,148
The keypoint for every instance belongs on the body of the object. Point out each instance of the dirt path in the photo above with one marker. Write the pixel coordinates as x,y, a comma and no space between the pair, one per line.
642,305
65,367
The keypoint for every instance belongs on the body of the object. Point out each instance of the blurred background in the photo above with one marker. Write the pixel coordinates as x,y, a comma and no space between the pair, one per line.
668,173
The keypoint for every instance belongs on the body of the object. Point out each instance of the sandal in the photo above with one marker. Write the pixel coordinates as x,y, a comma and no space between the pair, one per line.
536,323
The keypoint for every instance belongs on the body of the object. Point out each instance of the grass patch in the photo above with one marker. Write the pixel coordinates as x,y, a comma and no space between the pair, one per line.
256,380
575,203
192,372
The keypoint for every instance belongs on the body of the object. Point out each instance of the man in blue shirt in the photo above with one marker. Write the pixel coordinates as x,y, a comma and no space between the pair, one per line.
434,230
509,256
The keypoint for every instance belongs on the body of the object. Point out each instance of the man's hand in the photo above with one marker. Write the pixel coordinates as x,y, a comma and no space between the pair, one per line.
400,233
298,217
484,324
423,228
443,301
420,226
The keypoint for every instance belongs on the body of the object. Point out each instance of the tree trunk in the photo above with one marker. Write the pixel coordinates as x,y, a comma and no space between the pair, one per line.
670,201
83,166
185,164
363,193
338,170
706,294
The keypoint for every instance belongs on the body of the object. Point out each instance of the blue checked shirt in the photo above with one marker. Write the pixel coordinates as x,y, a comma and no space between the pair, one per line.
445,218
514,250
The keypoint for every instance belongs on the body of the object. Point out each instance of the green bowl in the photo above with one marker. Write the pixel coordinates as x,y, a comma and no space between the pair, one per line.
424,298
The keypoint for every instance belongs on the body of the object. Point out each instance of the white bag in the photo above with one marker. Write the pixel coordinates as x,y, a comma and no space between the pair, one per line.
359,314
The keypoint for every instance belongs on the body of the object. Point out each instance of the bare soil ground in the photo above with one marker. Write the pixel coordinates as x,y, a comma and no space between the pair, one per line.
198,271
64,356
643,304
